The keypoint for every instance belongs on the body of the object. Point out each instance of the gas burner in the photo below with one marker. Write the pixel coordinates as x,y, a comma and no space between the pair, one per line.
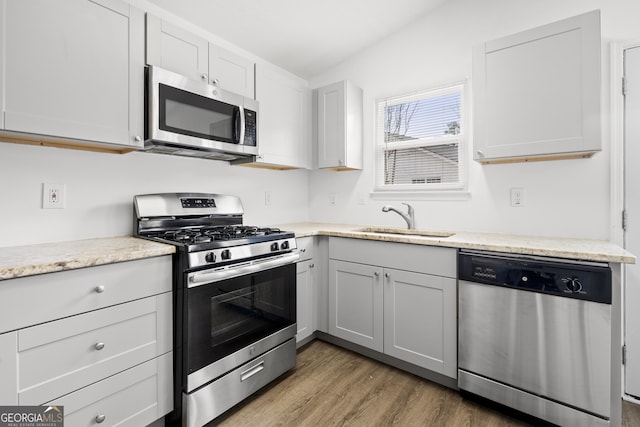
211,235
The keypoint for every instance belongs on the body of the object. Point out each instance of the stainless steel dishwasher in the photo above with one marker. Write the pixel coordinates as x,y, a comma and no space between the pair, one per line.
535,335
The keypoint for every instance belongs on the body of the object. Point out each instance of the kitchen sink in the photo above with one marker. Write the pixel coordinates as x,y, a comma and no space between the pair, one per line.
406,232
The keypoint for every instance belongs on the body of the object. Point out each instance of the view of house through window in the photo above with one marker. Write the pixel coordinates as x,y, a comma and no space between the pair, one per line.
420,141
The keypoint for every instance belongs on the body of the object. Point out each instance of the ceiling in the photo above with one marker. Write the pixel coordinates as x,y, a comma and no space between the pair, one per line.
305,37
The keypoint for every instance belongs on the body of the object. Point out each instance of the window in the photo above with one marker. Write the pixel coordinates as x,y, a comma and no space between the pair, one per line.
420,141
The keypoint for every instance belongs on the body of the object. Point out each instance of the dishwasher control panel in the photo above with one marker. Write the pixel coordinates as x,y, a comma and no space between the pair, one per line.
567,278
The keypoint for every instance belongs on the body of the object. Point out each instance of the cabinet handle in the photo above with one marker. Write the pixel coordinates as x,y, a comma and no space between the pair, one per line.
312,265
204,76
303,250
377,274
137,138
480,153
215,82
386,275
100,418
99,346
99,289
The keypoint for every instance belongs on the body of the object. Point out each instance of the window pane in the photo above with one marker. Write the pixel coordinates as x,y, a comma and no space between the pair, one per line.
421,141
425,118
423,165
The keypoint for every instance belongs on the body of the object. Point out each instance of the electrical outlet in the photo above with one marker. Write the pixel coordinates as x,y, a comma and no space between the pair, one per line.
53,196
332,199
267,198
517,197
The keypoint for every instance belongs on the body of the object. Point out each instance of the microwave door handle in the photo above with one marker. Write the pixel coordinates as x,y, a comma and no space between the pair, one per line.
242,124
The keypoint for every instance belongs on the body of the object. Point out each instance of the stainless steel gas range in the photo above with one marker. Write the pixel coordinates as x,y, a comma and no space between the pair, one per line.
234,300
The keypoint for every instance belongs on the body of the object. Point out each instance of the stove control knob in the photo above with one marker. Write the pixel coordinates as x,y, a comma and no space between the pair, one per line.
285,245
572,284
226,254
274,246
210,257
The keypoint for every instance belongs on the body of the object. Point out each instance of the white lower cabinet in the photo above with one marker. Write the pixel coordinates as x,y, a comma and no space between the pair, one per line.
355,303
420,320
386,307
9,368
305,289
104,348
305,300
135,397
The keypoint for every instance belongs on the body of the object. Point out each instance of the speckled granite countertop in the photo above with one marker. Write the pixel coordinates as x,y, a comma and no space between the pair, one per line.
19,261
588,250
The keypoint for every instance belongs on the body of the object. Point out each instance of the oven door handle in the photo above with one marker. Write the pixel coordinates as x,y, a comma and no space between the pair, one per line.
202,278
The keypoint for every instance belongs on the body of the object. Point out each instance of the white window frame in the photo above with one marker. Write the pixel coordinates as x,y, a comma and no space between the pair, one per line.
427,190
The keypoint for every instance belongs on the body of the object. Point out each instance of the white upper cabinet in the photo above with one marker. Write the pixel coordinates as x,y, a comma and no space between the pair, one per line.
231,72
73,70
283,119
176,49
339,115
537,93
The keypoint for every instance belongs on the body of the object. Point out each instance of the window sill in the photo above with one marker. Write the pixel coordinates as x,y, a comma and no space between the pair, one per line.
420,195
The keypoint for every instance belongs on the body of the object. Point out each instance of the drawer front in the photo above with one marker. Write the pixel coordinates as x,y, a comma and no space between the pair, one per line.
400,256
305,246
58,357
220,395
32,300
136,397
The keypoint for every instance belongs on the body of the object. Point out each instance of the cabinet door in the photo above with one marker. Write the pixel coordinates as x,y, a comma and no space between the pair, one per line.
9,368
537,93
355,303
74,69
284,132
231,72
420,320
331,125
305,291
172,48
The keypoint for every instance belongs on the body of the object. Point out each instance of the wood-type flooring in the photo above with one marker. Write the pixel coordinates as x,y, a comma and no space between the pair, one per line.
331,386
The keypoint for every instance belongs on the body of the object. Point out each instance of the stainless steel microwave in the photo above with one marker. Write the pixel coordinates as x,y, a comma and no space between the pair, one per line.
192,118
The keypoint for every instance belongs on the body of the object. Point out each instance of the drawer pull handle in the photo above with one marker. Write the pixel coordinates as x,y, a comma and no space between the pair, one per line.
100,289
303,250
252,371
99,346
100,418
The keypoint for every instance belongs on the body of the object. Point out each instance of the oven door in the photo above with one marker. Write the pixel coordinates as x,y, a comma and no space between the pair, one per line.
231,321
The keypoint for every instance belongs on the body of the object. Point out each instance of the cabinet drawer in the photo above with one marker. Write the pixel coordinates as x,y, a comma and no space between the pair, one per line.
58,357
402,256
305,246
27,301
135,397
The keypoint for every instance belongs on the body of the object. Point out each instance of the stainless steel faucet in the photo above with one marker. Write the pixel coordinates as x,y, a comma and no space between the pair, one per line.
409,216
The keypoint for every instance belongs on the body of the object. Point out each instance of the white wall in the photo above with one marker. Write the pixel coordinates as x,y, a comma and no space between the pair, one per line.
100,189
569,198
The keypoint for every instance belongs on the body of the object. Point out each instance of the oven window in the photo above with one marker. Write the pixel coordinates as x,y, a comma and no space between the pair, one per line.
225,316
195,115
